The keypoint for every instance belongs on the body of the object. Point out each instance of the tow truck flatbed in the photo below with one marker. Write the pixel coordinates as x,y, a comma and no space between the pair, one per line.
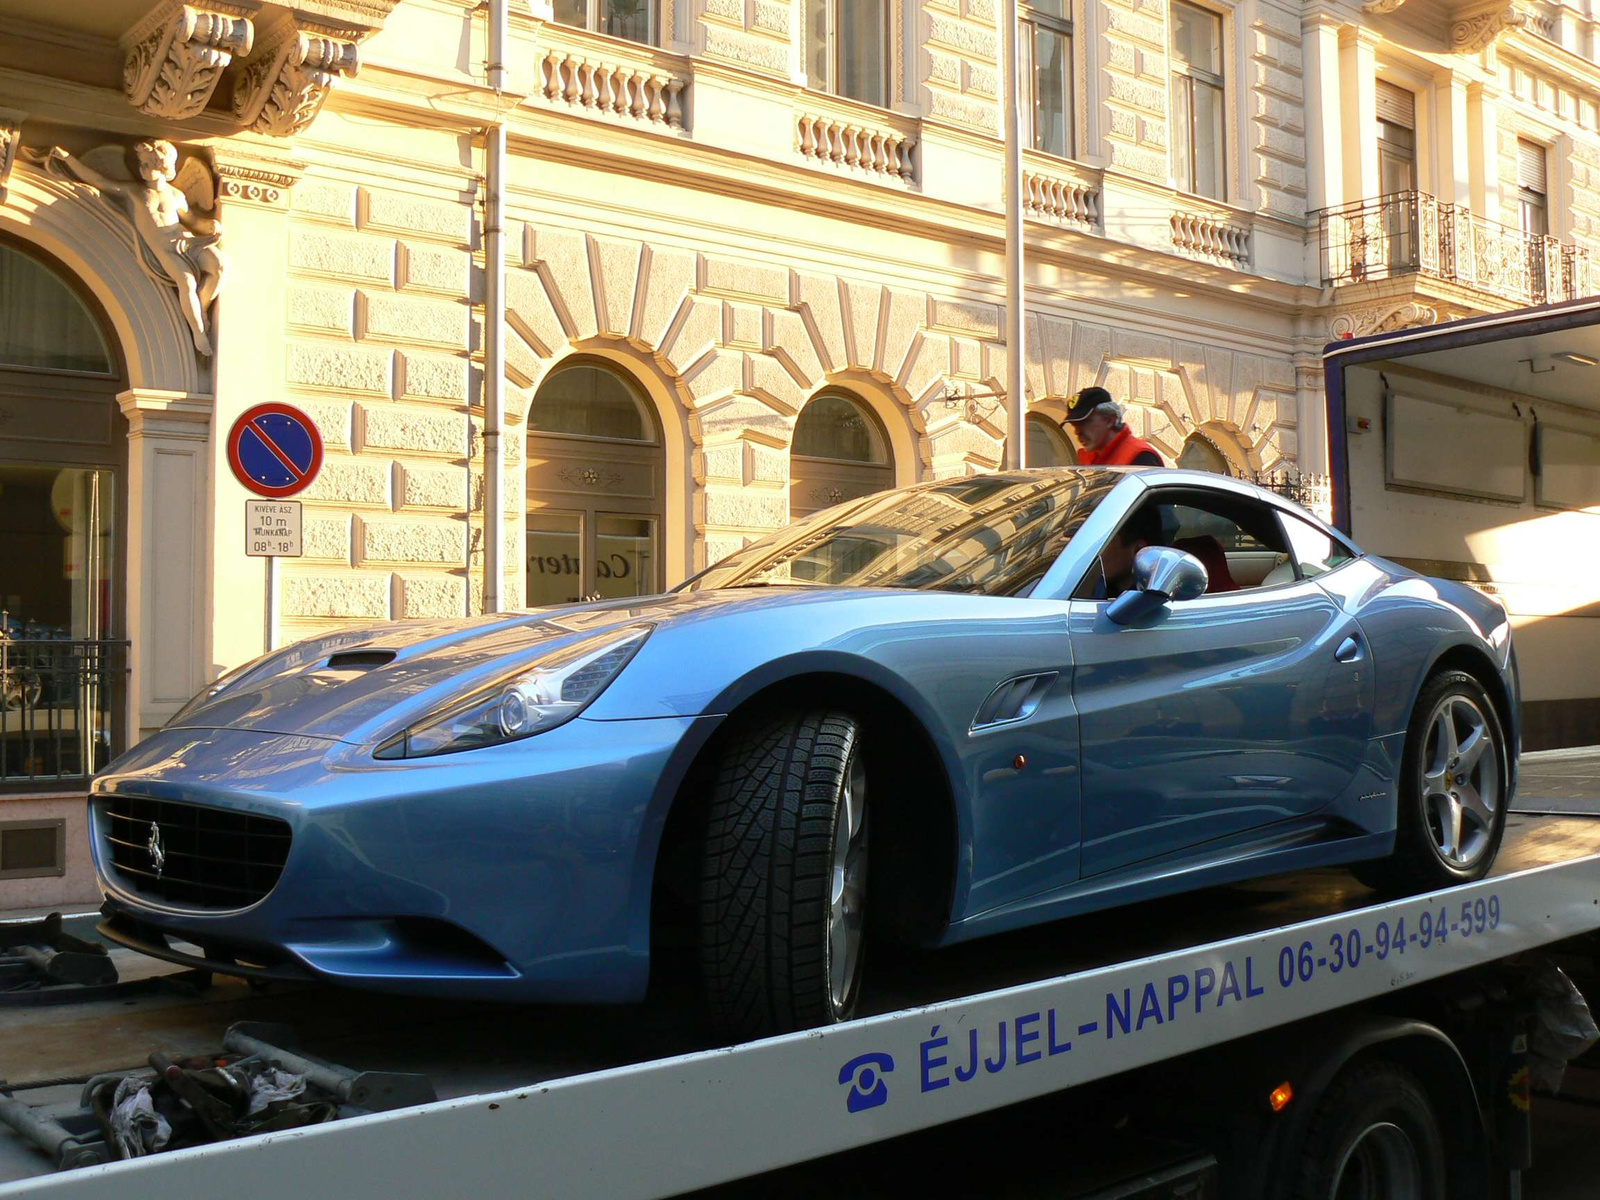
960,1032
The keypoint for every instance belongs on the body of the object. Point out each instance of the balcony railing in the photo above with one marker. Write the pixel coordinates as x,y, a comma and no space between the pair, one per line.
1413,233
57,697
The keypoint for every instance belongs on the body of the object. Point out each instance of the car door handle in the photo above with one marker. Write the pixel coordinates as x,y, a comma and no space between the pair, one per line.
1349,650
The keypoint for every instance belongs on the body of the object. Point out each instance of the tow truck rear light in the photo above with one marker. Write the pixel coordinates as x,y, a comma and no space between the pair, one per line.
1280,1096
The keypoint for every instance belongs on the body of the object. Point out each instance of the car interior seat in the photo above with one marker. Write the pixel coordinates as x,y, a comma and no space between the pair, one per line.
1219,578
1282,572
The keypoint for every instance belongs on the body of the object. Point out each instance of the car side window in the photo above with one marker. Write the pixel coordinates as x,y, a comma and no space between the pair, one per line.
1237,552
1236,539
1314,550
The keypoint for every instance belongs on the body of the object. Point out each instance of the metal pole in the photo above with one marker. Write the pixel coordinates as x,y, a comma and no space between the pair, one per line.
494,324
271,633
1016,342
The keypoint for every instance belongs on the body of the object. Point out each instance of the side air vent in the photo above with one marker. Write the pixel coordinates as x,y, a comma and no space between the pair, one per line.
360,660
1014,700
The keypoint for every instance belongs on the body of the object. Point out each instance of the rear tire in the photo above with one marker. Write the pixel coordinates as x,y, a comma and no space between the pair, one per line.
783,879
1374,1136
1453,791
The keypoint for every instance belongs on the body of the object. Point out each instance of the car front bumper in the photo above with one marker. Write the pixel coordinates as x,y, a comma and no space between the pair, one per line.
520,871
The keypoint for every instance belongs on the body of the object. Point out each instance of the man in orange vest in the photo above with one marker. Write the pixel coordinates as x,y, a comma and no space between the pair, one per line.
1104,439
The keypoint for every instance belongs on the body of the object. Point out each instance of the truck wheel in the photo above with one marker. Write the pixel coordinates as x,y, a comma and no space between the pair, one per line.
784,876
1453,794
1373,1136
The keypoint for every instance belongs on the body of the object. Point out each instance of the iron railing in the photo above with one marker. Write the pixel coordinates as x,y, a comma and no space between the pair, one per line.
1310,491
57,700
1413,233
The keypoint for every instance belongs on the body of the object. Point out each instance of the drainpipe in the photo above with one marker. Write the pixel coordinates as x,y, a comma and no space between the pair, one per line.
494,324
1016,340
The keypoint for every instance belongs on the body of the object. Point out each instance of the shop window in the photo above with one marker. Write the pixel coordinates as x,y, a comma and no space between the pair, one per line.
839,453
1198,101
596,476
846,48
43,324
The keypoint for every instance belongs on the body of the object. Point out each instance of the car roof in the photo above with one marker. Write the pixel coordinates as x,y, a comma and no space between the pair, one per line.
1178,477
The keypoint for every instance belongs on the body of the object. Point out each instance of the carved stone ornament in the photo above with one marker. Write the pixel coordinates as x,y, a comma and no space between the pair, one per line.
176,55
10,142
254,180
1472,34
167,208
281,90
1379,7
1409,315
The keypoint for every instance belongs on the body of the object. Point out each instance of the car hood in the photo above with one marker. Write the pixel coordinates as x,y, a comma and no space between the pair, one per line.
361,685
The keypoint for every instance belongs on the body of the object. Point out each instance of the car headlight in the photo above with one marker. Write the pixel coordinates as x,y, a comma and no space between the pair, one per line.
535,698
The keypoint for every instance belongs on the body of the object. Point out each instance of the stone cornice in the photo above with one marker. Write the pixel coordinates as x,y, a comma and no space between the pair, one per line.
412,98
793,187
183,415
245,173
1553,58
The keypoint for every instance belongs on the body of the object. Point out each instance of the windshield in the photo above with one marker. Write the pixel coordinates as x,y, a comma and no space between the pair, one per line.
995,534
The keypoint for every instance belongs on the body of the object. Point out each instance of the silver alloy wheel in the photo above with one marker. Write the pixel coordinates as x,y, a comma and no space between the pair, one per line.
1460,782
847,910
1381,1164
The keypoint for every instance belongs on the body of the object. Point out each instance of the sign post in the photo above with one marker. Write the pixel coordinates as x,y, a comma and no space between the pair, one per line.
275,451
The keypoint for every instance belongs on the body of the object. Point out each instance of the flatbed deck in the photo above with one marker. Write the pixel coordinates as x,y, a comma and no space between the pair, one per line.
476,1050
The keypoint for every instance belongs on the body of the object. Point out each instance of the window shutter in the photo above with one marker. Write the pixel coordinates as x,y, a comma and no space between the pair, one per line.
1531,166
1396,105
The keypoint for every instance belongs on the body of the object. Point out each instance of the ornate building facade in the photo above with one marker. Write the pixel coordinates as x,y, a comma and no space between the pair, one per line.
754,253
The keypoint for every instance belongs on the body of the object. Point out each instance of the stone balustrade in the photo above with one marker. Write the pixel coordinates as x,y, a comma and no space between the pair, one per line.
1062,193
843,139
647,91
1217,235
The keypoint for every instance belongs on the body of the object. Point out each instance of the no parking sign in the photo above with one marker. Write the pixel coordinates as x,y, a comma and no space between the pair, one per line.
275,450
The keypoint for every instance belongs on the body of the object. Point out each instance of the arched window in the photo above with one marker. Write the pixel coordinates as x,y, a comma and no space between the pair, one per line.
596,474
1048,444
1200,453
44,326
63,456
840,453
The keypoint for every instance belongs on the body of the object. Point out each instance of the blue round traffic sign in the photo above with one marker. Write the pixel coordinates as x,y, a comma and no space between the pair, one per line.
274,450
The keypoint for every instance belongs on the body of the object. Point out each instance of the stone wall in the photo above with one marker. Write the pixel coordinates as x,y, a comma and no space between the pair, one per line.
1275,169
957,61
1133,83
380,330
740,346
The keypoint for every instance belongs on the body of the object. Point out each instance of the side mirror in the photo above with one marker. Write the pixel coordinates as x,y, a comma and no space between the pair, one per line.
1160,574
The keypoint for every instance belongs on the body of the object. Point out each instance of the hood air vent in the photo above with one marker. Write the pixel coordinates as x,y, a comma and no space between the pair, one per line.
360,660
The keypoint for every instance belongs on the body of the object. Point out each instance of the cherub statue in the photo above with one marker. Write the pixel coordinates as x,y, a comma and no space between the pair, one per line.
178,244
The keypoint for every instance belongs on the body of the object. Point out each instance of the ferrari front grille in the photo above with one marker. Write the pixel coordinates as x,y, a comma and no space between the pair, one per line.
190,854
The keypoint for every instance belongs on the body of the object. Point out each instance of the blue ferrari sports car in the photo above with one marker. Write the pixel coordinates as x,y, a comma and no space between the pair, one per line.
933,713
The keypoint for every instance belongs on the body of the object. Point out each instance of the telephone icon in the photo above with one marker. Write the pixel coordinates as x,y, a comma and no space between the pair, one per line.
864,1074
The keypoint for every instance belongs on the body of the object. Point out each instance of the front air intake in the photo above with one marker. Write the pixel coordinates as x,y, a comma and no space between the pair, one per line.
191,854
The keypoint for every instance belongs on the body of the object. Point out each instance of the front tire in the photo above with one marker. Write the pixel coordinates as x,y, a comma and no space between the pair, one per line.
1454,790
784,876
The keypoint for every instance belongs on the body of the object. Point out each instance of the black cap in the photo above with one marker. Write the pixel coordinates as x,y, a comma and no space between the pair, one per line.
1087,401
